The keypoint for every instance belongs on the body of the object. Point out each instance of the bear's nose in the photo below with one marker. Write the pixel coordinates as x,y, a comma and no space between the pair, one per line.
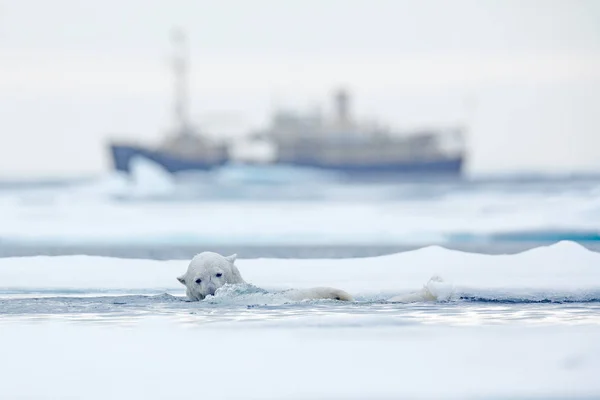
211,291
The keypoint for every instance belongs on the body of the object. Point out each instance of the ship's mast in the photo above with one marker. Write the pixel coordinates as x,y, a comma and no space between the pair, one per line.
342,107
181,87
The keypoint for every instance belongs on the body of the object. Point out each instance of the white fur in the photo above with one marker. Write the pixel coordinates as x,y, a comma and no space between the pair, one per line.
207,272
435,290
202,279
318,293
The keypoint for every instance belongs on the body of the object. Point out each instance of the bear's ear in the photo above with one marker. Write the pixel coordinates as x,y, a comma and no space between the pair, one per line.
181,279
231,258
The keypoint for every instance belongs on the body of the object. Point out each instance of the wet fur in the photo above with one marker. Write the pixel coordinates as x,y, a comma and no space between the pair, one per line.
213,271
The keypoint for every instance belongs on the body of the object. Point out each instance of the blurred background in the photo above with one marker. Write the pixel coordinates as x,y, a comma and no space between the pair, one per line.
292,128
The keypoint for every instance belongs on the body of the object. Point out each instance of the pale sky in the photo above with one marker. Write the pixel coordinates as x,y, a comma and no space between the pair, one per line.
523,75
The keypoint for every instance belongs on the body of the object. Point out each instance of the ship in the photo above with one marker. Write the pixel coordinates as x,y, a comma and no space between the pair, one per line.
337,143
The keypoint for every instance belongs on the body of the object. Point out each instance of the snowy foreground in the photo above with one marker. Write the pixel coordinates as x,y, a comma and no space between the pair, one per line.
72,328
161,360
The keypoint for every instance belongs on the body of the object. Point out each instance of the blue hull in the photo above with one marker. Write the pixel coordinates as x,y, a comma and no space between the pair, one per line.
123,154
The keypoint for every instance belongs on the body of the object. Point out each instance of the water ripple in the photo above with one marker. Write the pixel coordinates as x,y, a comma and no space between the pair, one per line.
129,308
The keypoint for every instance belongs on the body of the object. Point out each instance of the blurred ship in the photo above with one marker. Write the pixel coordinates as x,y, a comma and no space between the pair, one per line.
339,144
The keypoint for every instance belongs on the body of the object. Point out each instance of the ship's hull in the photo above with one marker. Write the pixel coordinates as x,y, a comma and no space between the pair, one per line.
122,156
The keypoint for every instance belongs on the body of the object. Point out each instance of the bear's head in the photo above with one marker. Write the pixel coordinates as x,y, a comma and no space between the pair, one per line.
207,272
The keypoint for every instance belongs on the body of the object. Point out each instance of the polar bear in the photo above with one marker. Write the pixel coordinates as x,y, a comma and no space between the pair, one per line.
209,271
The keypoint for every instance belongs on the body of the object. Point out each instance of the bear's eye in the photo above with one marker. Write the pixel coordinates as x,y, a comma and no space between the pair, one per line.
198,281
219,275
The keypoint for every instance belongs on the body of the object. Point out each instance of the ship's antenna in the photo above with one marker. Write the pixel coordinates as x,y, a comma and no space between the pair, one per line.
181,69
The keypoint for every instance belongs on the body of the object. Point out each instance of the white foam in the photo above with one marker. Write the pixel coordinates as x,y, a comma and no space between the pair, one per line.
149,179
146,180
562,271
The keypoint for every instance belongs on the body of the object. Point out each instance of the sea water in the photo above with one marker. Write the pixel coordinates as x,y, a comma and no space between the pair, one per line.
90,306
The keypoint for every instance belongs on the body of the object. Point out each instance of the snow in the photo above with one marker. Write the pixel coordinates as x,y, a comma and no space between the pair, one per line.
157,347
100,327
158,359
116,209
563,271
